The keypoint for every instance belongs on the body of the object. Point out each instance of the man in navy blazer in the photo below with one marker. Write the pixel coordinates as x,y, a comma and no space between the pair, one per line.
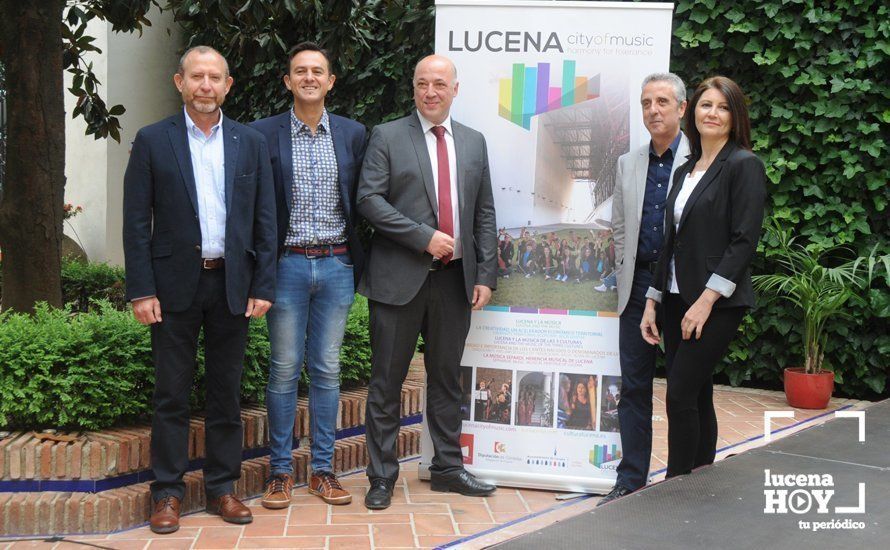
316,158
199,247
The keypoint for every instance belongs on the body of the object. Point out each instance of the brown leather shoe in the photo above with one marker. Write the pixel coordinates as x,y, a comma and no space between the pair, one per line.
230,508
326,486
278,491
165,515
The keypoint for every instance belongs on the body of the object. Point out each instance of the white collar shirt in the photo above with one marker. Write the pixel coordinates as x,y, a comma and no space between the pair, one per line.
208,166
431,147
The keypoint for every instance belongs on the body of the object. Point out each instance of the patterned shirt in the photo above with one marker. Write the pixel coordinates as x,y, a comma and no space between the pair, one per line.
316,214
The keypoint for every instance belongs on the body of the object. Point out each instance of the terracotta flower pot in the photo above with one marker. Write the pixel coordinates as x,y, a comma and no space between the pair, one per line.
808,391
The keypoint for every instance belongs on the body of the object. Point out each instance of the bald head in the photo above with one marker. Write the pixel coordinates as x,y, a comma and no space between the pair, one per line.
436,60
435,87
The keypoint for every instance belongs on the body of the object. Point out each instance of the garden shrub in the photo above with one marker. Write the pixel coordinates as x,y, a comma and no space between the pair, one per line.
91,370
85,282
86,370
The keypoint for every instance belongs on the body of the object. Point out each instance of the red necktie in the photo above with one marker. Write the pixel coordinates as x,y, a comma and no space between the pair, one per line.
446,217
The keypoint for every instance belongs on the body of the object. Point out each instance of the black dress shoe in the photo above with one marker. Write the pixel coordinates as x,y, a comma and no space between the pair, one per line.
464,483
617,492
379,496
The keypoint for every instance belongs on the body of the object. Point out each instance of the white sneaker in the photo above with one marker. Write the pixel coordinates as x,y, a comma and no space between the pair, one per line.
600,288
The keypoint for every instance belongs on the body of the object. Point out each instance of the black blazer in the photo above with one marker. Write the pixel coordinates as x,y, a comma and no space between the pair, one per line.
350,139
719,229
162,233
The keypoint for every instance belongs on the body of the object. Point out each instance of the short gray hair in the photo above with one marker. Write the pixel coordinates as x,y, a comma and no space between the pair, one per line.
200,49
673,80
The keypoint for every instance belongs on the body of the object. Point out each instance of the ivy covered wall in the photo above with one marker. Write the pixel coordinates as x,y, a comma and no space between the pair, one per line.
815,73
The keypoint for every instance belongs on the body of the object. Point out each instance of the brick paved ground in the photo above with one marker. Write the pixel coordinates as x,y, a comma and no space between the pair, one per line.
420,518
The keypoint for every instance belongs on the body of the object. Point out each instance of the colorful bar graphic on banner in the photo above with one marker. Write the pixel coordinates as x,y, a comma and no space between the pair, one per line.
602,454
528,92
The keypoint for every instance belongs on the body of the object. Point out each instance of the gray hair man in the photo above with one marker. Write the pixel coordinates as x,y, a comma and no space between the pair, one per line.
642,183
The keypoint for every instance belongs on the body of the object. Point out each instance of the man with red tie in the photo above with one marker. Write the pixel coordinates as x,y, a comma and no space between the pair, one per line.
425,189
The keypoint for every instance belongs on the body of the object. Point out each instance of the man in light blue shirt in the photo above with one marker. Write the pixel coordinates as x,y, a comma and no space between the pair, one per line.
199,248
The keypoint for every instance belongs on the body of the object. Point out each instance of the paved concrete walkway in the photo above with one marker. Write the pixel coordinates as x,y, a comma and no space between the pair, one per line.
420,518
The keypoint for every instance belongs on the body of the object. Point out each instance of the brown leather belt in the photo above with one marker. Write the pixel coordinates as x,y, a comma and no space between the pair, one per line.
212,263
320,251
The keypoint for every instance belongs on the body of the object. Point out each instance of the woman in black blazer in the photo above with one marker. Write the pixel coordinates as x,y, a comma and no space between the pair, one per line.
713,217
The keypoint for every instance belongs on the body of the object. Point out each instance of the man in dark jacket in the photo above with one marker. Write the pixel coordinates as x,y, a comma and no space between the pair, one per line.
316,158
199,247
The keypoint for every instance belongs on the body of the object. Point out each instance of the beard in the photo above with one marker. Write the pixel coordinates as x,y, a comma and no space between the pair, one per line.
203,106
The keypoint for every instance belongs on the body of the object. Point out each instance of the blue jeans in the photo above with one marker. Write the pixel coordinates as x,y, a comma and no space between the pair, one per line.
312,301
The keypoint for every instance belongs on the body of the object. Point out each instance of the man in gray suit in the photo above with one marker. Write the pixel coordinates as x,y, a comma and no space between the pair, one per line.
426,190
643,179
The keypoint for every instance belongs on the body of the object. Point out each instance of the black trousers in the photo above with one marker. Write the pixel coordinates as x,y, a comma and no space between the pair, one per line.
440,313
174,343
692,421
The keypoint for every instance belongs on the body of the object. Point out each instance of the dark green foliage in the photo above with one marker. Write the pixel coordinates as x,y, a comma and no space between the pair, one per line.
355,354
84,282
374,46
124,16
92,370
86,370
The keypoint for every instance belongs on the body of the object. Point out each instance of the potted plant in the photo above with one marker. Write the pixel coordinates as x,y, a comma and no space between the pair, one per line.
820,293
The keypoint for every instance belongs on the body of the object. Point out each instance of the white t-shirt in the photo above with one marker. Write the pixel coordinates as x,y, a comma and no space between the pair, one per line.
689,184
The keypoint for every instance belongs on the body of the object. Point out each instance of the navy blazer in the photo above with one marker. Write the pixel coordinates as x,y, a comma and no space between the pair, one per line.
718,230
350,140
162,232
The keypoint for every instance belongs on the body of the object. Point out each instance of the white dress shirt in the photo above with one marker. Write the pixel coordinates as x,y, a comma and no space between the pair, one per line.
683,196
430,137
208,167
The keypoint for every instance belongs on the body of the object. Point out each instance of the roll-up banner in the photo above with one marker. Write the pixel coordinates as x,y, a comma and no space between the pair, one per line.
555,88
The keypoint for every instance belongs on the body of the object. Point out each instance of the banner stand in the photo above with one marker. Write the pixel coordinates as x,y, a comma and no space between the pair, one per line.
554,86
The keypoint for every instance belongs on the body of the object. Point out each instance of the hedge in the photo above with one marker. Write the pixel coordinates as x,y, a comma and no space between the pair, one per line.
93,370
84,283
815,74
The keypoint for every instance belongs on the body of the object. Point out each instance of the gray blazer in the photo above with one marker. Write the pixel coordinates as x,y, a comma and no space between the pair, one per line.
627,208
396,194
